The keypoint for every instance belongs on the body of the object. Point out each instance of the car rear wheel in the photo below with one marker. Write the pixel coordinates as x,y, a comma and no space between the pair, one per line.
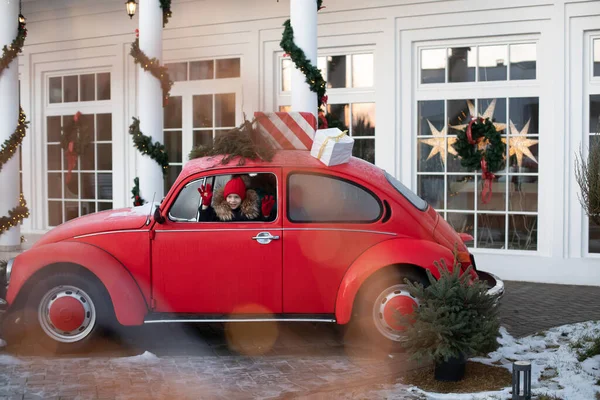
65,312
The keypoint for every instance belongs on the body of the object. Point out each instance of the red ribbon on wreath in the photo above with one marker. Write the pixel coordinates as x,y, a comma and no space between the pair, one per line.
488,180
71,155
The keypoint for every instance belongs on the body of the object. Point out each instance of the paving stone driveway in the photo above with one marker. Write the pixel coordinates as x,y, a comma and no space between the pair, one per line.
279,361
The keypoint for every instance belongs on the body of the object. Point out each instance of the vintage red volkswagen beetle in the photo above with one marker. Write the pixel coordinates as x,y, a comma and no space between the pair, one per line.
340,244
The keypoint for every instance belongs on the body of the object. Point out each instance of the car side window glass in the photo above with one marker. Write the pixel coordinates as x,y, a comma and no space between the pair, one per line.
185,208
321,198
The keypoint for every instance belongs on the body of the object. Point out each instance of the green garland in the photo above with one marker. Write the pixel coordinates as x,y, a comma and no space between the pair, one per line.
166,7
9,53
471,155
313,75
137,199
11,145
144,144
15,216
153,66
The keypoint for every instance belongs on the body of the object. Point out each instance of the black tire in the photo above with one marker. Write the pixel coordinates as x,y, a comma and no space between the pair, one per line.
366,324
96,313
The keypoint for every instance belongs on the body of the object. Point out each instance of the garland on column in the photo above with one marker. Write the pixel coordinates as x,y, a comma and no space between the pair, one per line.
144,144
137,199
11,145
166,7
313,75
153,66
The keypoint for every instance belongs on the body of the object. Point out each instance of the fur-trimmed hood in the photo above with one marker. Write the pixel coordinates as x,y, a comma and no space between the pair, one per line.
249,207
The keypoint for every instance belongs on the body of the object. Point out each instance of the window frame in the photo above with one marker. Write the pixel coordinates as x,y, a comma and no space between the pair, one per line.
336,177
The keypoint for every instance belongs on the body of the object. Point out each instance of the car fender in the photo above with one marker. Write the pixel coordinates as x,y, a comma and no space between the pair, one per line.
126,297
421,253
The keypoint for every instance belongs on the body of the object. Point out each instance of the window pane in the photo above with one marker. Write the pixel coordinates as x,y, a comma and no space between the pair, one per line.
338,72
522,232
88,160
88,207
461,64
365,149
499,112
104,187
71,210
172,174
55,90
431,189
430,111
286,74
322,66
203,138
523,193
461,190
596,57
202,70
53,128
55,185
104,127
338,116
88,89
523,61
462,223
497,199
172,113
55,213
363,119
103,86
228,68
362,70
54,155
458,114
104,157
313,198
87,124
185,207
493,63
523,154
225,110
431,154
491,231
594,239
523,110
173,146
72,186
203,111
177,71
102,206
71,88
88,186
594,114
433,66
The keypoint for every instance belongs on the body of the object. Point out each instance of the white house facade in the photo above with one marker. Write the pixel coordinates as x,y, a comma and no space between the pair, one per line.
400,74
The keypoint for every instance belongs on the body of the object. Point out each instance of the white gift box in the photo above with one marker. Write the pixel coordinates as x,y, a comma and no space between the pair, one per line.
332,146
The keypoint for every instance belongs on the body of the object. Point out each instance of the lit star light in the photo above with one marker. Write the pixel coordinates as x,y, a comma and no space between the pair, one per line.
489,113
519,144
438,142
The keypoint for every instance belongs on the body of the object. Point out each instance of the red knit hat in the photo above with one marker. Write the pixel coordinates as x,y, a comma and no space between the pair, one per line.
235,186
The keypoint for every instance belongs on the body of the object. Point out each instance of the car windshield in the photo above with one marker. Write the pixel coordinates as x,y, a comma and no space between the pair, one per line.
407,193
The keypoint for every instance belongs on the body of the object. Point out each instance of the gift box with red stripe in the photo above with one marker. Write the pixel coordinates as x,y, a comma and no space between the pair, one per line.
287,130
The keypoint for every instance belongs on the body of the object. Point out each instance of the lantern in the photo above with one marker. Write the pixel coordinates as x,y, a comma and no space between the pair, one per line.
521,380
131,6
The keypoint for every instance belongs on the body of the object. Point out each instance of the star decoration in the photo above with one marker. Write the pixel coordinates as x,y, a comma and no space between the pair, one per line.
489,113
438,142
519,144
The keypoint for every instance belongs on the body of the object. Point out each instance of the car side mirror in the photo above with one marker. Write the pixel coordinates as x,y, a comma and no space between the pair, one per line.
158,216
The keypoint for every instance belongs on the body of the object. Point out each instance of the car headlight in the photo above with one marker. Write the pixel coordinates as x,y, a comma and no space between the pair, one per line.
9,269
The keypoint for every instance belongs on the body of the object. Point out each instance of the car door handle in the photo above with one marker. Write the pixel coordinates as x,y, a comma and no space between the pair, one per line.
265,238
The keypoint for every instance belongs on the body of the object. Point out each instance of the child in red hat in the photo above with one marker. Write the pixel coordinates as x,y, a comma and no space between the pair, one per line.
234,203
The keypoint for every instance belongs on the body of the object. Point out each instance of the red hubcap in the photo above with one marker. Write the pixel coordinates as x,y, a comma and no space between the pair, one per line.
67,314
399,305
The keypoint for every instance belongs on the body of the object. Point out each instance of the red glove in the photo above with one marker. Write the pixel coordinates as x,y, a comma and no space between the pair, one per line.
206,193
267,205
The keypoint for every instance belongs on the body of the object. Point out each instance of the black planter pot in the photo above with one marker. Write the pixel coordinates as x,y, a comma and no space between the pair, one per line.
452,370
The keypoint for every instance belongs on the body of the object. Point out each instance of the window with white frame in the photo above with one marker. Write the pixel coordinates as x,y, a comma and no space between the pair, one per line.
593,125
89,187
351,96
509,219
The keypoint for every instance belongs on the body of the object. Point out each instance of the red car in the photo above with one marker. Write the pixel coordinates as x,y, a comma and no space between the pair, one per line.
336,247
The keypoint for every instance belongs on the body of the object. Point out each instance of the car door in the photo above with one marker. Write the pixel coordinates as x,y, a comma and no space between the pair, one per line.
329,221
217,267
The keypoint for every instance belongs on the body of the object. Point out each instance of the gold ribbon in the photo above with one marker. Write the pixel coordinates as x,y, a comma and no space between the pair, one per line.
336,138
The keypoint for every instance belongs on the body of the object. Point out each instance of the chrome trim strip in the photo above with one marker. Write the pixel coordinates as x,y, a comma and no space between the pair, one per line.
8,273
219,230
341,230
276,229
240,320
110,232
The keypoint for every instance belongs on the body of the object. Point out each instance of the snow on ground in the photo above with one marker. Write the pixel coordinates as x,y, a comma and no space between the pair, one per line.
145,358
554,365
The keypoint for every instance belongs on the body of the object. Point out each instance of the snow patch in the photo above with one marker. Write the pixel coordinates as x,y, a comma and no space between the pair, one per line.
2,343
145,209
9,360
146,358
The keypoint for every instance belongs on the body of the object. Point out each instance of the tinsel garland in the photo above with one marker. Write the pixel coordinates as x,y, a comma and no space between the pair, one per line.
166,9
137,199
153,66
144,144
10,52
15,216
11,145
313,75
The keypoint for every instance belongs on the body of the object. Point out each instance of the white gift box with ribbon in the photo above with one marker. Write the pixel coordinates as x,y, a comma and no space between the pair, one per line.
332,146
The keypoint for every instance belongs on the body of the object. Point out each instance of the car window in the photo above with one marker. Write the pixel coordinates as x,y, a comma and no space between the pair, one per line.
407,193
187,206
323,198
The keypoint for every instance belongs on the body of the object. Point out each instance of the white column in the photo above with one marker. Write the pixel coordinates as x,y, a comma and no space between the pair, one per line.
150,100
9,114
303,15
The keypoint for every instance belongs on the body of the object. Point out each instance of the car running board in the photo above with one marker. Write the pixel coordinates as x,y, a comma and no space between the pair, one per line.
156,318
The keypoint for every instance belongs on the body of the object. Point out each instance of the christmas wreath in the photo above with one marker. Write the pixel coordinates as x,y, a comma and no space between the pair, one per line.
74,141
480,147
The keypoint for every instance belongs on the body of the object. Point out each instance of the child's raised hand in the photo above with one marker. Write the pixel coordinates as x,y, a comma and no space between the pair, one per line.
267,205
206,193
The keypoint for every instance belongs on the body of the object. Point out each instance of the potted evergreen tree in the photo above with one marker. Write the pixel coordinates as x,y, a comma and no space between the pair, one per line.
587,175
456,319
